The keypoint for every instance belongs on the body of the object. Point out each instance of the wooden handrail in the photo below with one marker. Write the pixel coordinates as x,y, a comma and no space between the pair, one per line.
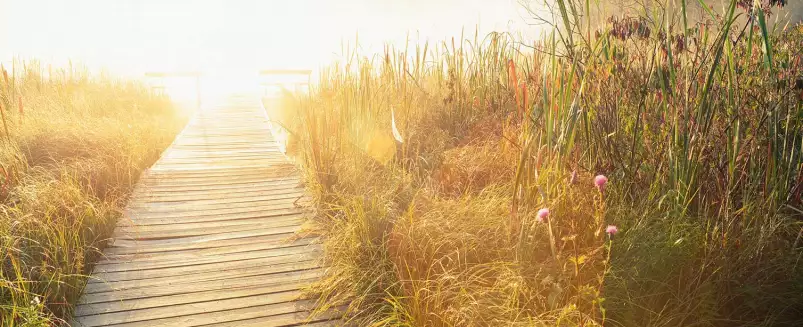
195,74
285,72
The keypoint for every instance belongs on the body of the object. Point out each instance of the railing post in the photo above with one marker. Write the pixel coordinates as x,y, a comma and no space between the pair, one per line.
198,91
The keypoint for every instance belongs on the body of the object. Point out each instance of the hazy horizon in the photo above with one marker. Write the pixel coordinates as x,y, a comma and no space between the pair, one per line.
130,37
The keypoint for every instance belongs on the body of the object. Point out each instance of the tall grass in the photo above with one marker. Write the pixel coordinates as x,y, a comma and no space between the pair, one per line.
72,148
697,125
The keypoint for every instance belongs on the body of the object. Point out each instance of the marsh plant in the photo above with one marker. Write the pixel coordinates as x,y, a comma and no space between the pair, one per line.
484,206
71,149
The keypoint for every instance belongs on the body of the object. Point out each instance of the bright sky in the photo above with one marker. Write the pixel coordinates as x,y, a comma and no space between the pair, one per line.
133,36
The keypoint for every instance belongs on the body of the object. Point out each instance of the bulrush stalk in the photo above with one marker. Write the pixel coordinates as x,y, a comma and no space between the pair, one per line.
493,211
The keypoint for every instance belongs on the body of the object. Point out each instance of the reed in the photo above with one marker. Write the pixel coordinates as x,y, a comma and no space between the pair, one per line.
699,136
65,172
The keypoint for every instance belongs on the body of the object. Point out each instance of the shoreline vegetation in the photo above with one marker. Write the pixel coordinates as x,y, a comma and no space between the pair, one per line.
72,147
648,173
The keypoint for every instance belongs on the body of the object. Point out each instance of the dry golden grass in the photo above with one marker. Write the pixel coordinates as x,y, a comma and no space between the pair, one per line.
67,164
447,231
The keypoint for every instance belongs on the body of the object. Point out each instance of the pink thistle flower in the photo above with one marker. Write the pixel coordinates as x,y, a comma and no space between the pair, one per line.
543,214
611,230
600,182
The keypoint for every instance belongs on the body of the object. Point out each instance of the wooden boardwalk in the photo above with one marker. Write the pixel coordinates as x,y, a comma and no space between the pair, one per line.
208,236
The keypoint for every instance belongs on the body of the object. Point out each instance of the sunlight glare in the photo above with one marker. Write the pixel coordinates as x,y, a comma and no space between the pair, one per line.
228,42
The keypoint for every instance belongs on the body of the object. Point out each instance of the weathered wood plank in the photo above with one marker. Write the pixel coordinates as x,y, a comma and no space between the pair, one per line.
215,194
200,240
187,310
243,262
215,187
290,319
211,285
209,226
248,244
186,298
287,206
264,308
200,218
195,262
250,199
189,282
281,238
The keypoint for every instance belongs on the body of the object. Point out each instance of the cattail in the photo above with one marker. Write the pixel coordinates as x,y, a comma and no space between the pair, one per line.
526,98
514,81
511,70
3,116
21,108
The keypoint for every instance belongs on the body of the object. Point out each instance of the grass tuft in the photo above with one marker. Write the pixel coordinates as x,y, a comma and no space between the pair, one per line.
71,155
699,135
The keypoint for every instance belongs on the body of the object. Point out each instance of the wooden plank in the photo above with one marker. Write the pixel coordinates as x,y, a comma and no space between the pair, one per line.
267,149
250,244
297,319
276,208
305,253
134,234
124,228
213,188
186,298
213,182
95,286
266,171
167,167
291,195
181,157
202,240
251,213
209,285
208,155
187,311
211,145
245,255
233,135
325,319
235,211
141,270
280,238
213,317
188,195
254,193
225,163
